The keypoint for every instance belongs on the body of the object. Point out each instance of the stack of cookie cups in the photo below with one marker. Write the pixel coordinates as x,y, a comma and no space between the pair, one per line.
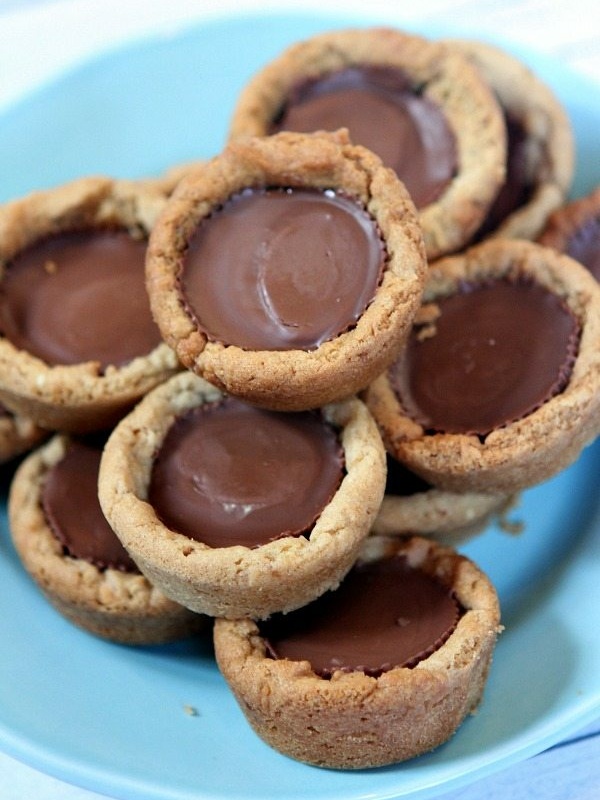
246,487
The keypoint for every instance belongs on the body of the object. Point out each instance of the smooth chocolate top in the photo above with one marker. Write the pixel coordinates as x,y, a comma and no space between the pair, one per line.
517,189
278,269
384,113
385,614
499,350
584,245
72,509
228,473
79,296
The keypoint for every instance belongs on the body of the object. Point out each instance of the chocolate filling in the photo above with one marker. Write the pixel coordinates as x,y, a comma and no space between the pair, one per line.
517,189
228,474
497,351
385,113
276,269
79,296
72,509
385,614
584,245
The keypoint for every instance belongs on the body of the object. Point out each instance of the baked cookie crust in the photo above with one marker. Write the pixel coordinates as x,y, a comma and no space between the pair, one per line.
534,448
238,581
354,721
116,605
77,398
550,147
449,518
567,221
292,380
18,434
167,181
437,72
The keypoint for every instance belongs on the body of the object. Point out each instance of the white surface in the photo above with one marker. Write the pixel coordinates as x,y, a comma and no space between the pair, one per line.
40,39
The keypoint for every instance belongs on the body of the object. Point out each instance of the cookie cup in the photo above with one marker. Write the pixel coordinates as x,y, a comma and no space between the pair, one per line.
529,450
80,397
120,606
292,380
550,145
450,518
238,581
354,721
569,221
439,73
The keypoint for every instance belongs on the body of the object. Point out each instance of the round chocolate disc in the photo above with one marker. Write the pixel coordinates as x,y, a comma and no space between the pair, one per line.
228,473
382,112
496,352
79,296
72,509
385,614
281,269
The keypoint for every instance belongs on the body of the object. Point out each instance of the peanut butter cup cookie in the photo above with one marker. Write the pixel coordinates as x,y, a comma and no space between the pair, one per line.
287,270
574,229
78,562
411,506
78,345
541,147
381,670
422,107
498,387
237,511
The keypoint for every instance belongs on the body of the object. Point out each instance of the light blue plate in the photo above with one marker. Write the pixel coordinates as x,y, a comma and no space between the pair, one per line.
114,719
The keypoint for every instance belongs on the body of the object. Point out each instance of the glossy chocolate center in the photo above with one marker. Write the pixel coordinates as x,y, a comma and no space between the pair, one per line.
72,509
517,189
384,113
584,245
497,351
282,269
79,296
229,474
384,615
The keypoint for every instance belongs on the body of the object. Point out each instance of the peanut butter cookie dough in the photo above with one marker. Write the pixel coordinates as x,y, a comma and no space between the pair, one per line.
541,146
574,229
256,470
79,564
166,182
287,271
508,393
333,695
412,507
421,106
18,434
78,346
